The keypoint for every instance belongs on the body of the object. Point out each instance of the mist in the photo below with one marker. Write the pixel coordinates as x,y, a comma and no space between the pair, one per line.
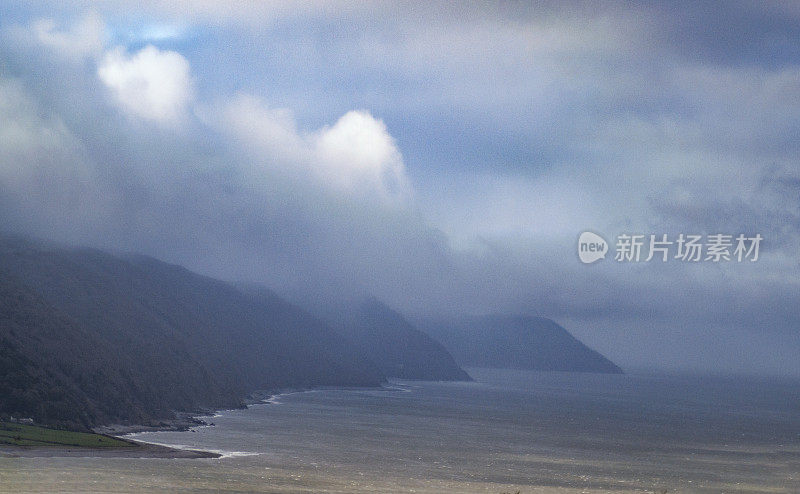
443,160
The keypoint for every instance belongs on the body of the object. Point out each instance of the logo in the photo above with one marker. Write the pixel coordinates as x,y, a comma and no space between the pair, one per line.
591,247
686,248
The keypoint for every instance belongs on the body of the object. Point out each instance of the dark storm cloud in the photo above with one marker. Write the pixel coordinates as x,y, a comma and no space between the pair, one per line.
740,33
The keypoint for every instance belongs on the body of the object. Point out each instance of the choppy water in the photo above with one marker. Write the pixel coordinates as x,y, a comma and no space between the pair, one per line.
509,431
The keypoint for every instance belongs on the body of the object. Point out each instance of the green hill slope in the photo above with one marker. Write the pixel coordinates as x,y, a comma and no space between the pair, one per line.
89,338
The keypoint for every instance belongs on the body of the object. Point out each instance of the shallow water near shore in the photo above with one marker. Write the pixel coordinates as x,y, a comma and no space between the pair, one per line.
508,431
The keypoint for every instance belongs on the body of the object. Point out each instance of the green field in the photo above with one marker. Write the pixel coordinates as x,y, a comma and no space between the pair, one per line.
31,435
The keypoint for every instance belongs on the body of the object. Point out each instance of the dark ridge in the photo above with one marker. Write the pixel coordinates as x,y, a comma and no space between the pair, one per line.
397,347
88,338
516,342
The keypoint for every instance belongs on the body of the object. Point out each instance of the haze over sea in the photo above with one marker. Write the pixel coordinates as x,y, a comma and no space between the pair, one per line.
508,431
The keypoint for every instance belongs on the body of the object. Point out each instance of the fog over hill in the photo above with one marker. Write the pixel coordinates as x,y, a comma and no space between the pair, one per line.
90,338
443,157
400,349
516,342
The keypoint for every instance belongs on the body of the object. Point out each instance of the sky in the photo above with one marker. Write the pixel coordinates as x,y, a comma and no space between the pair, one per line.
442,157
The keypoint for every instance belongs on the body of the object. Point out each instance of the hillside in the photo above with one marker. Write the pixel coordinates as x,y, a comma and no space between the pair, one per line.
516,342
90,338
399,349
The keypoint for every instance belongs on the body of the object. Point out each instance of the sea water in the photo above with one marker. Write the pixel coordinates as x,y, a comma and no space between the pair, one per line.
508,431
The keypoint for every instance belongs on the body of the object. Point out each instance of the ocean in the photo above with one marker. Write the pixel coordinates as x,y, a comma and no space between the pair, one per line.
508,431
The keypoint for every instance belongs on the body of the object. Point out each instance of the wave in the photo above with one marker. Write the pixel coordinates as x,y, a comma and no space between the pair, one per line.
184,447
275,399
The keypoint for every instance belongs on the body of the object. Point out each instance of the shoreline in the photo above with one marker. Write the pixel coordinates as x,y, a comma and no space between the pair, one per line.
186,421
136,449
182,422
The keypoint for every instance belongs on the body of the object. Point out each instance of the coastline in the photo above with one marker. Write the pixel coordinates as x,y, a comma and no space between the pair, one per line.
182,422
186,421
136,449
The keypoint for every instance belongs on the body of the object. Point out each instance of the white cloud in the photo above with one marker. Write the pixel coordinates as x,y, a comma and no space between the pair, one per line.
356,155
358,150
268,130
152,84
86,37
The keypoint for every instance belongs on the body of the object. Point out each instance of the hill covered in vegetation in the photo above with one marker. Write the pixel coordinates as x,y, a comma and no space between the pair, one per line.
90,338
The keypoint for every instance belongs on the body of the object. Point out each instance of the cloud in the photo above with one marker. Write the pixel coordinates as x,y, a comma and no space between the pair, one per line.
356,155
85,37
23,130
152,84
46,180
235,12
358,151
519,127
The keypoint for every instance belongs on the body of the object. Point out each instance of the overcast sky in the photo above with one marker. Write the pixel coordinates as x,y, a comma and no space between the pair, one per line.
443,158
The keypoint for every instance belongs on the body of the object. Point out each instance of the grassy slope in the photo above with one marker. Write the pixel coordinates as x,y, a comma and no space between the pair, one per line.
31,435
88,338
